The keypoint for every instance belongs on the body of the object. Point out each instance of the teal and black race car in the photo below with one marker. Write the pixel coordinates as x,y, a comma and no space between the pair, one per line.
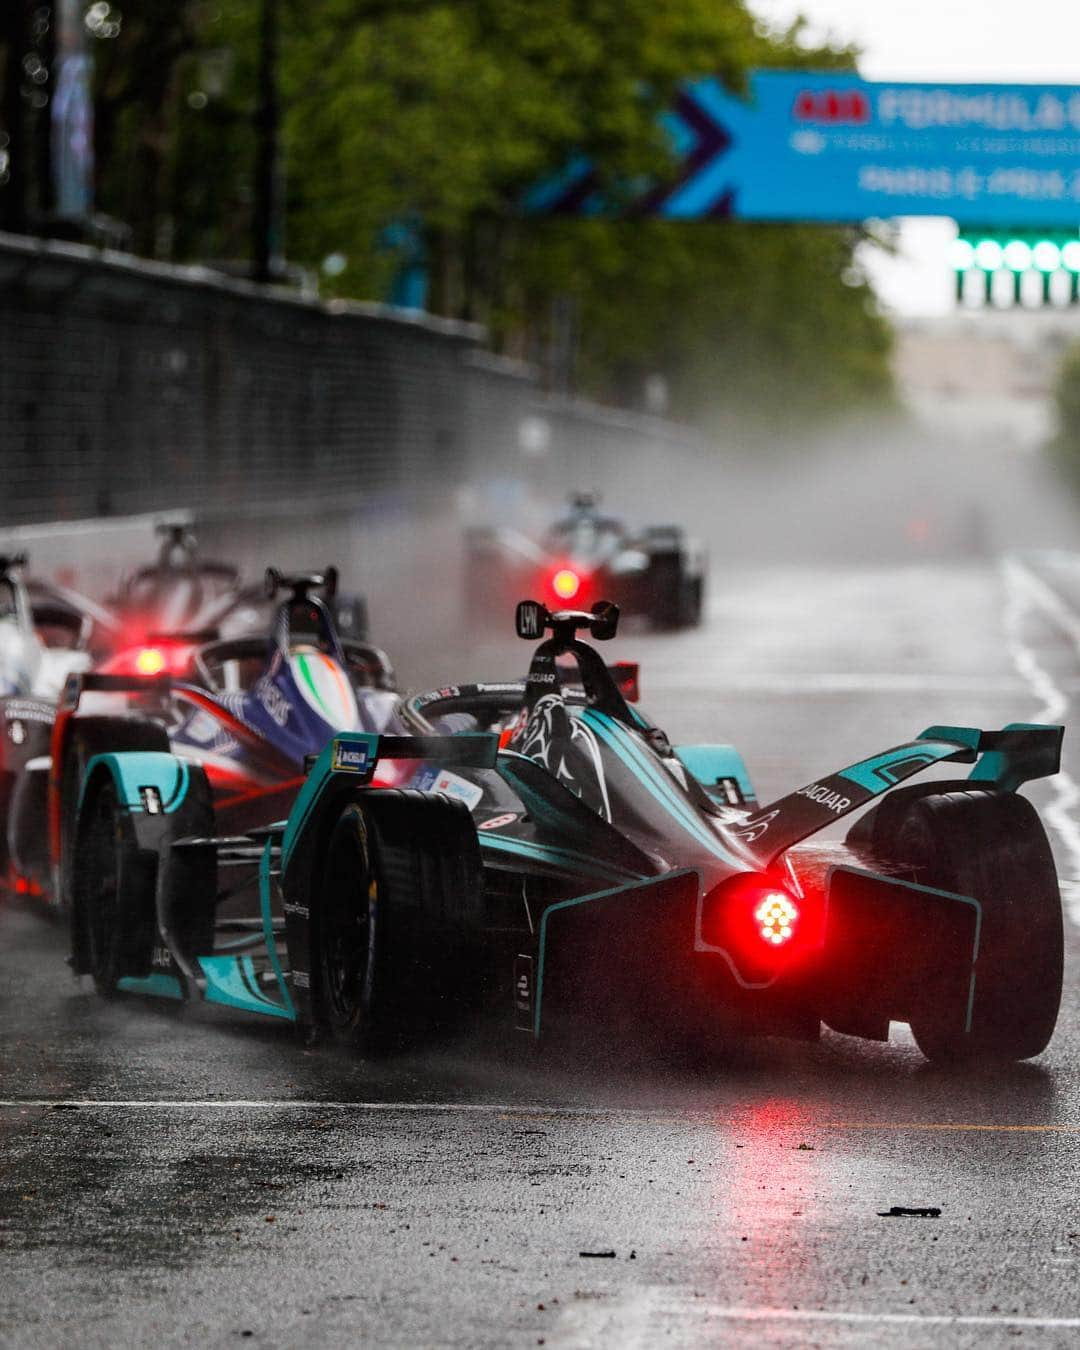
558,857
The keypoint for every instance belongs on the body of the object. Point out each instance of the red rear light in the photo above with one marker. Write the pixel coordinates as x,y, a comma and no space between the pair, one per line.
566,583
776,917
758,922
150,661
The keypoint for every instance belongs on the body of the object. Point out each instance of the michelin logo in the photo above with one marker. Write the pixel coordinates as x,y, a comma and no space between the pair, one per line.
349,758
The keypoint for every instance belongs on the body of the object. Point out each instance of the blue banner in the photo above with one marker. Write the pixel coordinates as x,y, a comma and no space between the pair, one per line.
834,147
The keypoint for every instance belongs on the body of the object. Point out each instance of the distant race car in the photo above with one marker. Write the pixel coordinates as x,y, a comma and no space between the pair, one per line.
658,572
248,713
182,591
590,876
46,632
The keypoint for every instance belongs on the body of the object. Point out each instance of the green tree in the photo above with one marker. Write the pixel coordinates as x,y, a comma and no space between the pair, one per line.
1067,400
444,112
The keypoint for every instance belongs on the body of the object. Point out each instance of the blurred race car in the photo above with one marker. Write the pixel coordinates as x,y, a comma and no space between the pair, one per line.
46,632
657,572
245,717
182,591
591,876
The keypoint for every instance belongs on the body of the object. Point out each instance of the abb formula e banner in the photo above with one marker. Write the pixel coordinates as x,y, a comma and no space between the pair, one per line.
834,147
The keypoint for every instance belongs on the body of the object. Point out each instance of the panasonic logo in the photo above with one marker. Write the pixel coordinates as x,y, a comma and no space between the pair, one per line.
825,796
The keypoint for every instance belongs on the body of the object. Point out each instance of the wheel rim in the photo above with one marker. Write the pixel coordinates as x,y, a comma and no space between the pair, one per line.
349,897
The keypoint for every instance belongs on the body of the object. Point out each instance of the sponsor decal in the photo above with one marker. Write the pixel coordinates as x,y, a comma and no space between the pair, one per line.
541,677
28,711
349,758
301,911
274,701
151,800
161,958
457,787
301,979
497,822
17,731
826,796
523,992
508,687
530,620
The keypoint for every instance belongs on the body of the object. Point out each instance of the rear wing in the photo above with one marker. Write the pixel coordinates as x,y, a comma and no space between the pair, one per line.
89,682
1003,759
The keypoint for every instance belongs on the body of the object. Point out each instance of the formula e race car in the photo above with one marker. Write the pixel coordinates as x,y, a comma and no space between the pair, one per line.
588,874
250,711
46,632
183,591
658,572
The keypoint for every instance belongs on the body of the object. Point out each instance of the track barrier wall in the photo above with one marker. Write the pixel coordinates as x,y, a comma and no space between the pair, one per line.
289,429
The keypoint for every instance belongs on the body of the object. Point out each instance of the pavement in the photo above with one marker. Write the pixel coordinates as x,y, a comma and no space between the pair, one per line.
195,1178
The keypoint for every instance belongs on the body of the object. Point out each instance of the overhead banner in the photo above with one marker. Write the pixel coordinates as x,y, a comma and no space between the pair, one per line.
834,147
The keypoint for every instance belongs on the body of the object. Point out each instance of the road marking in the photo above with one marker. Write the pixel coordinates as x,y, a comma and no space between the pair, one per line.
691,1115
1024,588
636,1319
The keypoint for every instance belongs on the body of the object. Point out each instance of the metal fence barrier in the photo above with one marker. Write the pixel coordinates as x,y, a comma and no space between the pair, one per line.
128,386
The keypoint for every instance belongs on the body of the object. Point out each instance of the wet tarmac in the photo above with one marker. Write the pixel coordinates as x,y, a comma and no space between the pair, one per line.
175,1178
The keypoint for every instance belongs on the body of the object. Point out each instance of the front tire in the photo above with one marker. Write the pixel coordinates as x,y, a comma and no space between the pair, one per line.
90,736
395,909
113,898
990,846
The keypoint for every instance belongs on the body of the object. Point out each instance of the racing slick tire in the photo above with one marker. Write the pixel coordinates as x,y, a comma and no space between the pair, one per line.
693,594
113,919
398,902
992,846
667,588
90,736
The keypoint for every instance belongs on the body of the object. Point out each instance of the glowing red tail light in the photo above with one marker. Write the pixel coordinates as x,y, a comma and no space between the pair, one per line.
758,922
150,661
566,583
776,917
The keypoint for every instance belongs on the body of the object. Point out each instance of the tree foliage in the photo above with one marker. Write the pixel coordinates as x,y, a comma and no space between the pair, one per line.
1067,400
443,112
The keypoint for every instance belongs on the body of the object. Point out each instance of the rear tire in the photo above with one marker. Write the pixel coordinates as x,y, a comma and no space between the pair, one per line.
114,893
391,930
667,588
990,846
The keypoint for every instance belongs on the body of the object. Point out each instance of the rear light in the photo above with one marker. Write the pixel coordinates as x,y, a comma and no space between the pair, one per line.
776,918
566,583
760,923
150,661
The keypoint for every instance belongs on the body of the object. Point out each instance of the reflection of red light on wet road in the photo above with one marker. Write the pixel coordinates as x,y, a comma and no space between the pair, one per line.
770,1186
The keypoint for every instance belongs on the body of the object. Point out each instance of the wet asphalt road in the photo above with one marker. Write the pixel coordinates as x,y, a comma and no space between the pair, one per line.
217,1184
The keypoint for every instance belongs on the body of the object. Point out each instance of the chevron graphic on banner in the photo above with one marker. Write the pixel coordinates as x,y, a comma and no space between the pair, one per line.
700,140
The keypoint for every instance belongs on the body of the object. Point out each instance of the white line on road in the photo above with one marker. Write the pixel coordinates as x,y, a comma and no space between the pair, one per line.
640,1318
1025,590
